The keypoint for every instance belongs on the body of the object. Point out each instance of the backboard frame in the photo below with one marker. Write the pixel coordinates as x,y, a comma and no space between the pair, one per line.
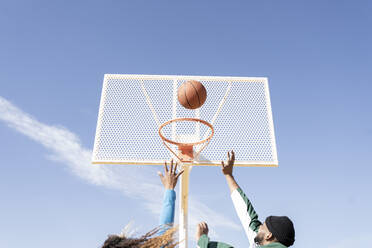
273,163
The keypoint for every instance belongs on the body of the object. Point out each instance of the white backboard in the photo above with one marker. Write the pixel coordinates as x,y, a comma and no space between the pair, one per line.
134,106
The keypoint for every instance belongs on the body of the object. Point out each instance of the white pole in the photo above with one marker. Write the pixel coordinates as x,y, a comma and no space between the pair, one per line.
184,192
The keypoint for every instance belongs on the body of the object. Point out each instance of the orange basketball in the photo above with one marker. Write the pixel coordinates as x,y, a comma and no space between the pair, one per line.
192,94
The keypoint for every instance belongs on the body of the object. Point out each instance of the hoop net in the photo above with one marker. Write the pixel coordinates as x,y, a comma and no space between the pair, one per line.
184,139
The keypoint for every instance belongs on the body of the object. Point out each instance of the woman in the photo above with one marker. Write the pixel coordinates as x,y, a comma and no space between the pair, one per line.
161,236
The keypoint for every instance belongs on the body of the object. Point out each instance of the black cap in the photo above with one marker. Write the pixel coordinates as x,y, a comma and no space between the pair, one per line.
282,229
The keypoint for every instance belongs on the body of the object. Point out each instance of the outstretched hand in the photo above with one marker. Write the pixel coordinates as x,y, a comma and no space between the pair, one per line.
201,228
227,169
170,177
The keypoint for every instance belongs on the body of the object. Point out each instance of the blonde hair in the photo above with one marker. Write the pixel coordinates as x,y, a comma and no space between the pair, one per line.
148,240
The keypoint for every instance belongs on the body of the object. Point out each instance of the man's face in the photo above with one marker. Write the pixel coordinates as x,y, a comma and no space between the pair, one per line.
262,235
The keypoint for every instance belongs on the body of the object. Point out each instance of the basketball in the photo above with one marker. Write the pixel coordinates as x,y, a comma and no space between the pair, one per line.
192,94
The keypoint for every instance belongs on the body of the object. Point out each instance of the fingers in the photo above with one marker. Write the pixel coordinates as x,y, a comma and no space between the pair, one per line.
203,227
160,175
179,174
231,155
171,167
223,164
165,167
175,168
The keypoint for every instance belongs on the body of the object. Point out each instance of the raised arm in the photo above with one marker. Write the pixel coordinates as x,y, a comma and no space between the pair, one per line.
169,181
203,239
243,207
227,170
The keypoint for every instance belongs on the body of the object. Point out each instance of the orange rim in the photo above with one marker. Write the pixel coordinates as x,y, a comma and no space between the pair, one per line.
186,119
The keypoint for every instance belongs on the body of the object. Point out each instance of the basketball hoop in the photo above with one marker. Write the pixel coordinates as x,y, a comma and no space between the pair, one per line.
186,149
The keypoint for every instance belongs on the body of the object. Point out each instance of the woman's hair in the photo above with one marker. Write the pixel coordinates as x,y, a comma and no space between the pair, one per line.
149,240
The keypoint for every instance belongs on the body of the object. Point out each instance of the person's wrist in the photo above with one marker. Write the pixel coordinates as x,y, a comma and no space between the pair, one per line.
203,235
171,187
229,175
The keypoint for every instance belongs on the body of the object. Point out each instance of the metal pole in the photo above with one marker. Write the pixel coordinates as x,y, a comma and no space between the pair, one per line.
184,192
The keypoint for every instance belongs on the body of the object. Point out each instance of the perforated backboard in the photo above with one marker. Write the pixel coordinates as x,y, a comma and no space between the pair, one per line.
134,106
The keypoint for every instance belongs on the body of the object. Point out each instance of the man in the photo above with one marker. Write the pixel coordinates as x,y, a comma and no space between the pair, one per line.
163,235
275,232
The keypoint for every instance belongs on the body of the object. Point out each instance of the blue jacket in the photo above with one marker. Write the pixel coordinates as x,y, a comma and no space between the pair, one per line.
167,211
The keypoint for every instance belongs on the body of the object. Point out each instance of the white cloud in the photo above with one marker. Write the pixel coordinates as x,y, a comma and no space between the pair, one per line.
66,148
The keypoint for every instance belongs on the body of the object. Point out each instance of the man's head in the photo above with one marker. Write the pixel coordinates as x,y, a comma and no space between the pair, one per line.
276,229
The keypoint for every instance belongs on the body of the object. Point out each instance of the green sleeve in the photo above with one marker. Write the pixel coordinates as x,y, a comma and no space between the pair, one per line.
254,222
205,243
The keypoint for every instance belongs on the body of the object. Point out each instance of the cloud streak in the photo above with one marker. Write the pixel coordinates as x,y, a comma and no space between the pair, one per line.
66,148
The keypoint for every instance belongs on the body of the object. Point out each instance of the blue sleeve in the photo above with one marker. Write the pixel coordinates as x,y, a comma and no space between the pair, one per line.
167,211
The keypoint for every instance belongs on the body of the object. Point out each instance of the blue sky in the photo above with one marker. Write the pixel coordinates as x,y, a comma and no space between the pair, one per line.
53,55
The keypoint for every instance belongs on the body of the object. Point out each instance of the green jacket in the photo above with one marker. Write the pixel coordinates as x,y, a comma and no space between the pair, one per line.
275,245
249,219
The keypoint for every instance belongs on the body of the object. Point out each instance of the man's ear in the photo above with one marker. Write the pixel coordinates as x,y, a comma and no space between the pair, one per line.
269,236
